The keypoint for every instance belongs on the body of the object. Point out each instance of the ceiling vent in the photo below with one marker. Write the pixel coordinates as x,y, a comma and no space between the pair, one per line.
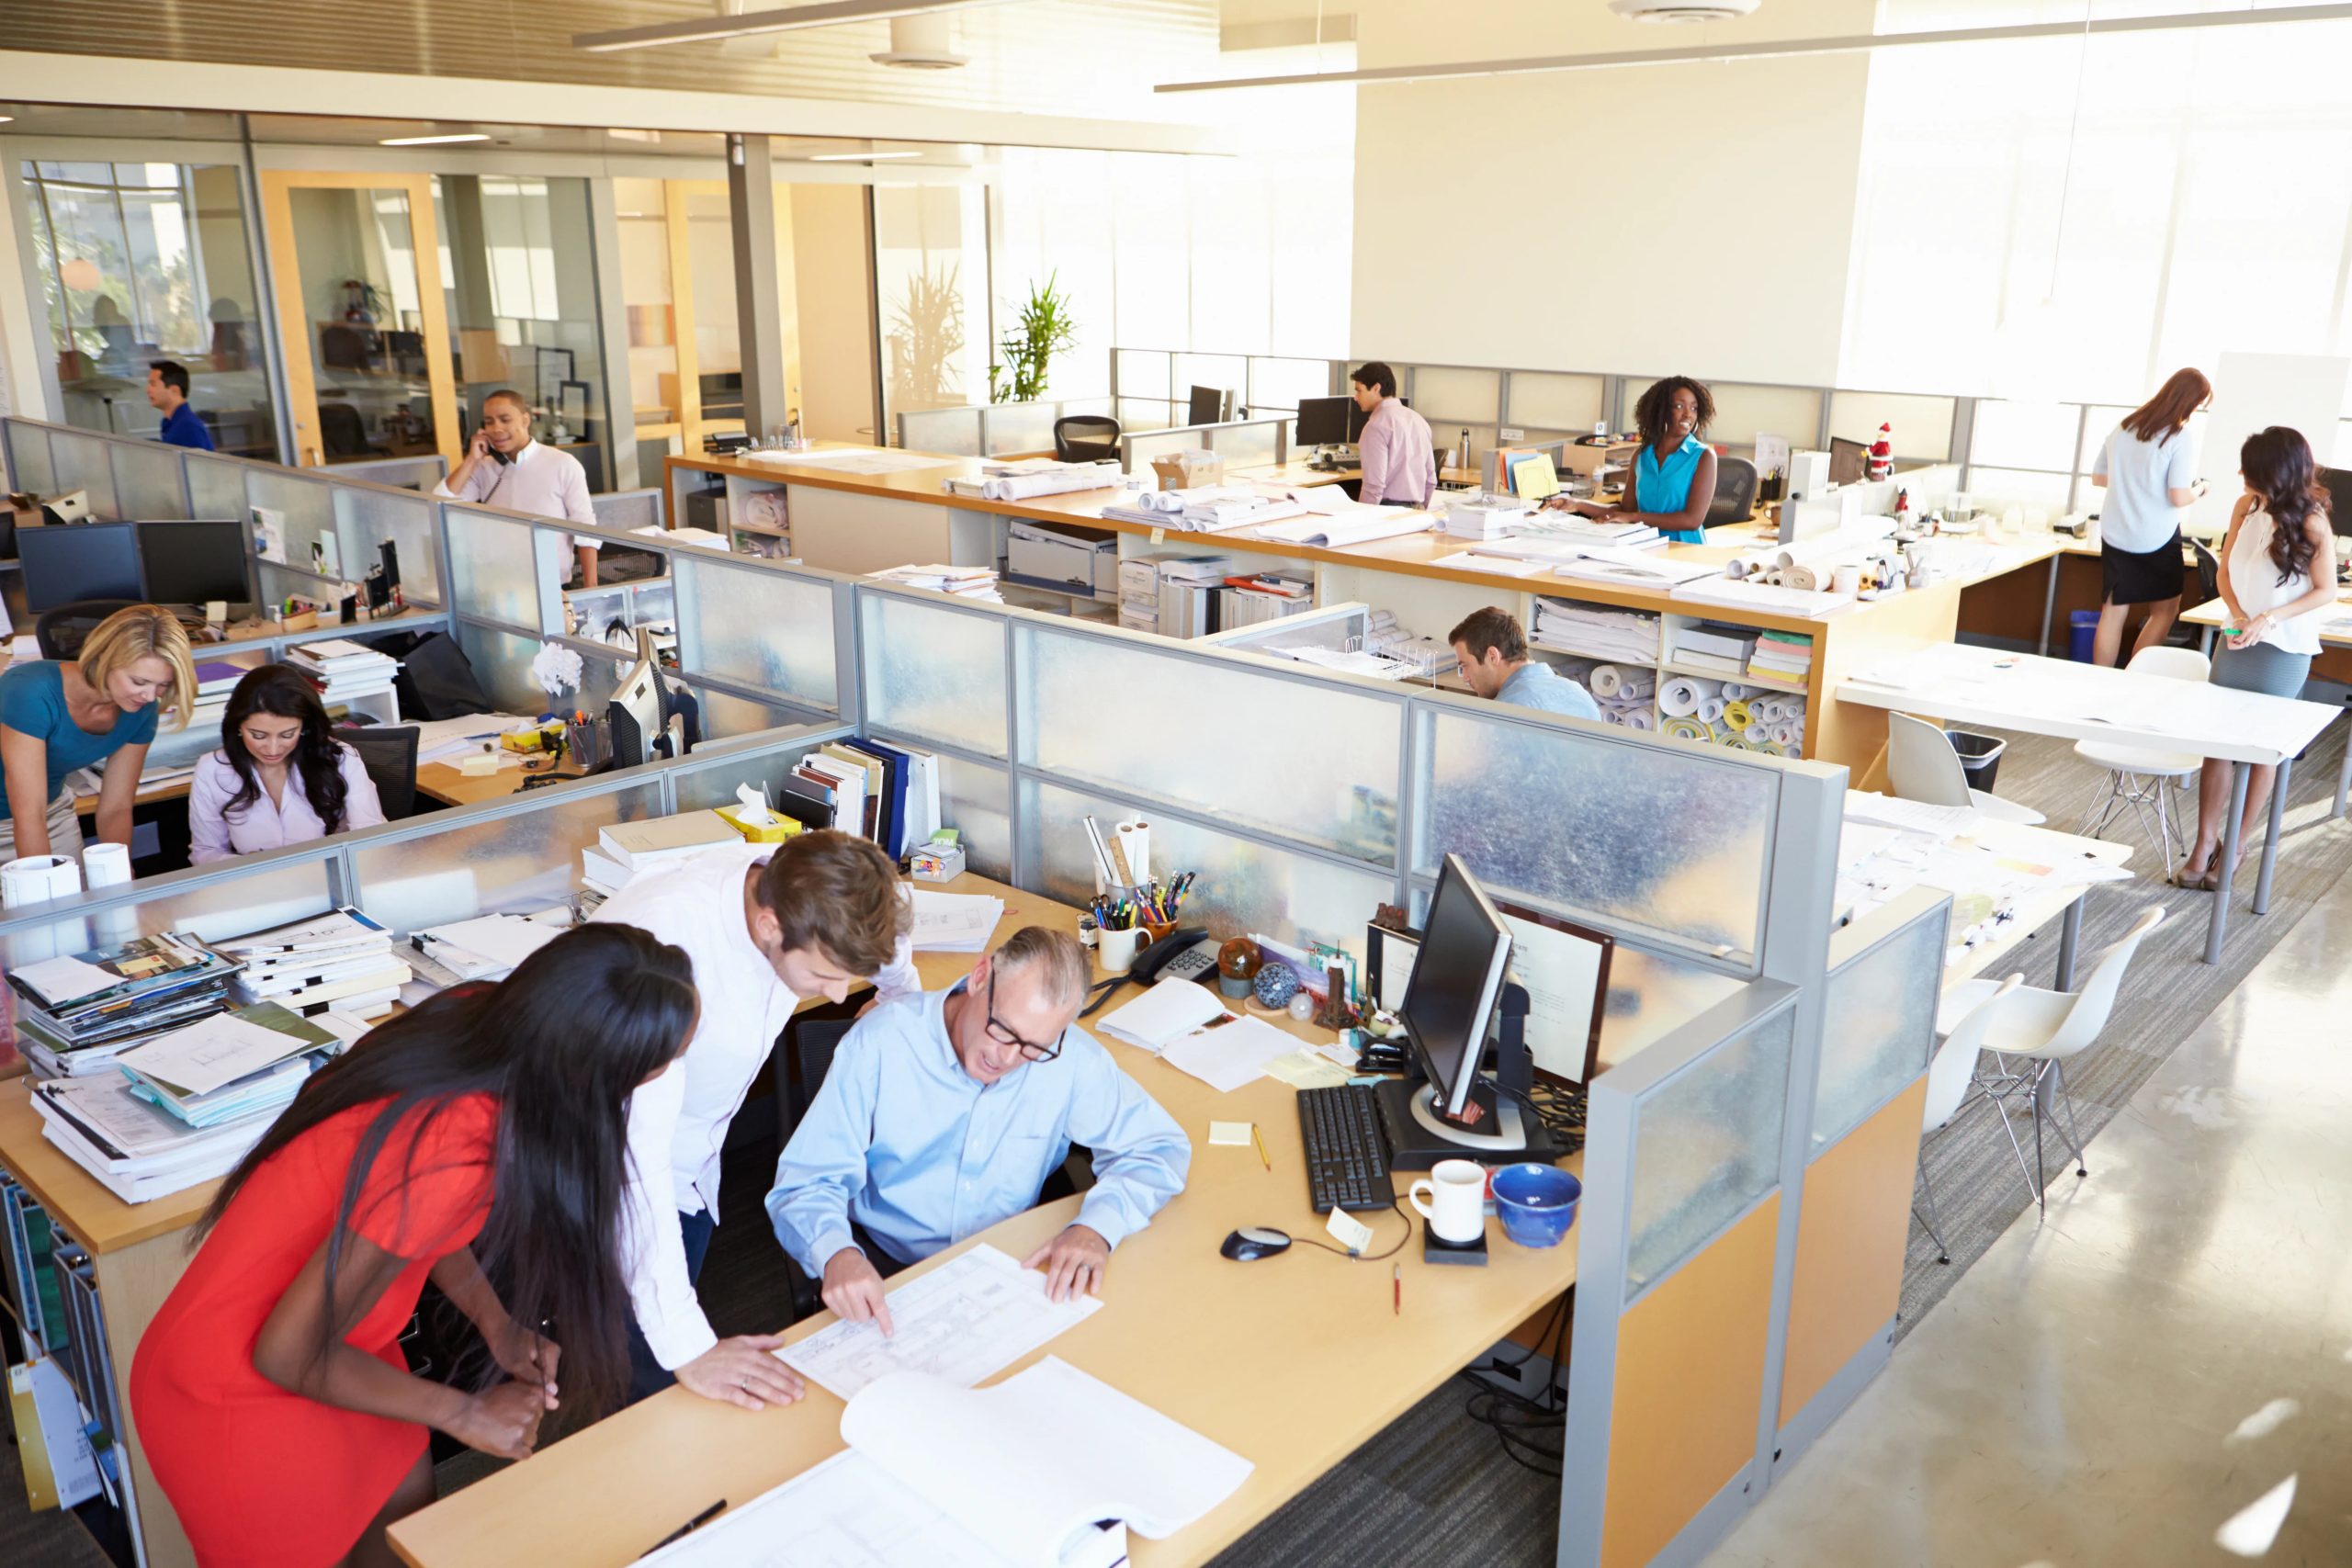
1684,10
920,44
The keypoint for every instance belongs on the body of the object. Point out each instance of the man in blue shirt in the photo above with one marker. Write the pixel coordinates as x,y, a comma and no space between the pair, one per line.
167,389
945,1113
1493,650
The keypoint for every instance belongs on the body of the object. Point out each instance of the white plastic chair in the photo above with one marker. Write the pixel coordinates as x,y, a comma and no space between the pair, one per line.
2139,777
1921,765
1951,1073
2048,1029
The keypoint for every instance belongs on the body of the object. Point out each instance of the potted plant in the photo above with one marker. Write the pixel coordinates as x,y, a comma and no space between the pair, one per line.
1044,329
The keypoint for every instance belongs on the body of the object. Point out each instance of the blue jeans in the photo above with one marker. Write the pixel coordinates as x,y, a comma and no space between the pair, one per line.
647,1376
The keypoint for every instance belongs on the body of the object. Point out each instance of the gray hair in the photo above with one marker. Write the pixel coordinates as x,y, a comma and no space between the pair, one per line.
1064,962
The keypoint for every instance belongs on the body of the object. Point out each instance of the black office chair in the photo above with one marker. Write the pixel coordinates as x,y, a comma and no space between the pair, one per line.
343,434
2209,570
389,756
1734,492
1086,437
59,632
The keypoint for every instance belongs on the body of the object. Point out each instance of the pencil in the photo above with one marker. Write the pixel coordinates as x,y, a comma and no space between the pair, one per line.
1260,1139
1396,1286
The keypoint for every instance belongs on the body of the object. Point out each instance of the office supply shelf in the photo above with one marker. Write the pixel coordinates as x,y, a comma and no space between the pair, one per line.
1790,685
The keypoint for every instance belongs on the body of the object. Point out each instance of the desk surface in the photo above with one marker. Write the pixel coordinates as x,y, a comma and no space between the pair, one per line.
1291,1362
2214,613
444,783
2039,844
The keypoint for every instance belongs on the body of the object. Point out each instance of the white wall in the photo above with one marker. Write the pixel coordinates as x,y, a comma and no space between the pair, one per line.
1648,220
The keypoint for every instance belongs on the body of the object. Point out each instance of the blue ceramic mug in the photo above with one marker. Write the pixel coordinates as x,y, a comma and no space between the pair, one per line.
1537,1204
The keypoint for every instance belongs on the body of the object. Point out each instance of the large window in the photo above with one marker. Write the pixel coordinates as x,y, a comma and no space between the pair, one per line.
140,262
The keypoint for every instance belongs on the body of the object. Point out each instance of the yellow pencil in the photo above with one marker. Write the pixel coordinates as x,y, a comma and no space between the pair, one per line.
1259,1140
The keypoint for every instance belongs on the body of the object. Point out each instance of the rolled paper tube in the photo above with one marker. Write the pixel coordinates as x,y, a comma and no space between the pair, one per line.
1607,679
106,866
1734,692
1682,727
1709,710
1736,716
1640,719
1684,694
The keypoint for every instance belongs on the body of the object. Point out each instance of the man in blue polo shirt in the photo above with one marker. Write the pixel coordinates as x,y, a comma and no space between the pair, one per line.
1496,664
167,389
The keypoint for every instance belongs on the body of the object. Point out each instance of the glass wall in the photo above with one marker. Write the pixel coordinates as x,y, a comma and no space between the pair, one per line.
362,308
642,208
140,262
930,286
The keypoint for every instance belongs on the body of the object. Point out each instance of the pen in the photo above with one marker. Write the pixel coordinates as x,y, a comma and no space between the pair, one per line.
1260,1139
687,1529
1397,1289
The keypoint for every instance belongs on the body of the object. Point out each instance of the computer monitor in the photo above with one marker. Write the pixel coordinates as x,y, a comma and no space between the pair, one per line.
1850,461
635,715
1356,418
195,563
2339,499
1564,968
1323,422
1207,406
1456,976
63,565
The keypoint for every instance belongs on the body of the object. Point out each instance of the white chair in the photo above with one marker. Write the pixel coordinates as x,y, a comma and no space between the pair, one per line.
2047,1028
1921,765
2140,777
1951,1073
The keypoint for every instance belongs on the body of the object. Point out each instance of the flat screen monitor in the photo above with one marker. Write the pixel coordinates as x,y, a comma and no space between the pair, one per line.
63,565
1850,461
1207,406
2339,499
1457,973
1356,418
1323,422
1565,970
194,563
634,716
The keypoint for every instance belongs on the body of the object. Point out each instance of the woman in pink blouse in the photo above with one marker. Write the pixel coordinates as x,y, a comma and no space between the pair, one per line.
280,778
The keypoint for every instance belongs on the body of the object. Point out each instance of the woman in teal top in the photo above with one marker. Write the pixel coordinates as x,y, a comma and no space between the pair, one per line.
1674,478
98,711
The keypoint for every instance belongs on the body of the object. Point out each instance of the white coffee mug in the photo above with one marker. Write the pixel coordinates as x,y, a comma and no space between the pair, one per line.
1457,1200
1117,950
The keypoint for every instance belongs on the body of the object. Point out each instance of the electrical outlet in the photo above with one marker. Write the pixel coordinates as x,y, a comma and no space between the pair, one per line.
1510,434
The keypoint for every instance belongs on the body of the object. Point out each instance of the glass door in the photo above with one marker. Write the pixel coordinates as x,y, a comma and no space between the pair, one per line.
357,273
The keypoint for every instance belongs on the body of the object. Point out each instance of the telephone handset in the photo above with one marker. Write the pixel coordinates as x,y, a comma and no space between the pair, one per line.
501,458
1184,954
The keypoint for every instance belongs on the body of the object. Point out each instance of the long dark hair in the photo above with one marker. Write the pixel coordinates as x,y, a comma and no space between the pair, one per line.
562,1043
2277,466
281,691
2164,416
1656,408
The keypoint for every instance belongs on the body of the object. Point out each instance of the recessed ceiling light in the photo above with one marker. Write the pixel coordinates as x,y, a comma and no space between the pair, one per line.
856,157
6,119
432,140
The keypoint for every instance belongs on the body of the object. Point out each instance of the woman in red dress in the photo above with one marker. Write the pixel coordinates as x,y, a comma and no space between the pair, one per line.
488,1126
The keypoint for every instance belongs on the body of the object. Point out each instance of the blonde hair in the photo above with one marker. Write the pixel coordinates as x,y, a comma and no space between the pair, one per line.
137,632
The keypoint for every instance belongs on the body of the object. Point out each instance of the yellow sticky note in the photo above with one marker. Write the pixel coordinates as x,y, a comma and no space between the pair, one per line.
1233,1132
477,764
1158,535
1303,1068
1348,1231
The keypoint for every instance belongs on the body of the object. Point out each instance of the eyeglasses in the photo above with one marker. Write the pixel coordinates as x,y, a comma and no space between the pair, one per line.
1004,1036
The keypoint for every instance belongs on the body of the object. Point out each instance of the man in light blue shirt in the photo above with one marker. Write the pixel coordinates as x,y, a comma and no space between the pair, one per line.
1493,650
945,1113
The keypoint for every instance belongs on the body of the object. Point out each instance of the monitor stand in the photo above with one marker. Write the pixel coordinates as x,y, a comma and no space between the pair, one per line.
1419,1135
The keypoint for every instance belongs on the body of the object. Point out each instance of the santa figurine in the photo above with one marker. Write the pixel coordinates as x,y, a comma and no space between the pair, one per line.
1882,453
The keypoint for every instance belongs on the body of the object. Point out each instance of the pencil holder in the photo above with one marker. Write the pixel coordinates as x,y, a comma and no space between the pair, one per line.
1116,951
1154,929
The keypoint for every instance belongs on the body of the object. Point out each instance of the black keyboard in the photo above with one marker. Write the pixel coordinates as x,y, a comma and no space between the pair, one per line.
1347,1157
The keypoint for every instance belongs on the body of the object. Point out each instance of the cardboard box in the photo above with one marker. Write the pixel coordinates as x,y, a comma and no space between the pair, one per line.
1184,470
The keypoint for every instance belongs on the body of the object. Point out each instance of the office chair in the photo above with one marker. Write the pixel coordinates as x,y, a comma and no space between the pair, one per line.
1922,765
2138,777
1951,1073
389,756
1734,492
342,432
61,631
2209,569
1086,437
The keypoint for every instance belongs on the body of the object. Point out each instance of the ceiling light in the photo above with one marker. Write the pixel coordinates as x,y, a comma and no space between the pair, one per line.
434,140
6,119
857,157
1683,10
708,29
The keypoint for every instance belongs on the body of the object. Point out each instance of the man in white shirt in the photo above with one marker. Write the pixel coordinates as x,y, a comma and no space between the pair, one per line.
505,466
821,913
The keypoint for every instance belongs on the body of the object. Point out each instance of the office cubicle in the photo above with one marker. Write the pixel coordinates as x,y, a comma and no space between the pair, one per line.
990,430
1242,443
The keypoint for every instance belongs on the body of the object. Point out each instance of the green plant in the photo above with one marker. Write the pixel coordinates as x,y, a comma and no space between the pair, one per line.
1045,328
926,334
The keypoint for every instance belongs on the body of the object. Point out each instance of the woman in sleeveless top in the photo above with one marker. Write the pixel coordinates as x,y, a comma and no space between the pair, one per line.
1673,481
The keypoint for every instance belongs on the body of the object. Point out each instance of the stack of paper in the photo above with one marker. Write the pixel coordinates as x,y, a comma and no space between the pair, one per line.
227,1067
347,671
1164,1012
1788,654
1567,626
130,1147
625,848
487,947
955,922
78,1013
1716,649
964,581
341,961
446,740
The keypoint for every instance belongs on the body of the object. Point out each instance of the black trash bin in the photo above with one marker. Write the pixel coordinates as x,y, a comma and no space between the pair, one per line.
1980,757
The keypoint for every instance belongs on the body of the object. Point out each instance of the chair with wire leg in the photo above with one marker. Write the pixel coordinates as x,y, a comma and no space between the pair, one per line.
2048,1029
1951,1073
2138,777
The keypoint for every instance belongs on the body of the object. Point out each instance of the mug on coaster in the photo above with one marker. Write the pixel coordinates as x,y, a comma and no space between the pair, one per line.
1457,1198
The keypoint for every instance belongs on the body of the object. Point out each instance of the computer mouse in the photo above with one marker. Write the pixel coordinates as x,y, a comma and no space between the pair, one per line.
1252,1242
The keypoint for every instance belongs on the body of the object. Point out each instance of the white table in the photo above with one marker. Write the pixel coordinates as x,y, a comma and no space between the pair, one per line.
2212,614
2087,702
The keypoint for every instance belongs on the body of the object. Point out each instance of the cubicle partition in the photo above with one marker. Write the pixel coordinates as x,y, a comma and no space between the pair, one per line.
1242,443
990,430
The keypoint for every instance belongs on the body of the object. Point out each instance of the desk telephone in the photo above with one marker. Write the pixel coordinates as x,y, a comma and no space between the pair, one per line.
1186,953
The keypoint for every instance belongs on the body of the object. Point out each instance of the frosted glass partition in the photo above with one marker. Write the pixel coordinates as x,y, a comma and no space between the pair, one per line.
1877,1021
79,462
493,563
1670,840
1244,887
629,509
216,486
956,432
526,860
1141,449
933,673
228,907
1550,400
1441,393
305,507
29,469
1791,412
366,520
726,716
751,626
502,662
1322,768
976,801
1253,446
1021,428
148,482
698,783
1707,1145
1144,414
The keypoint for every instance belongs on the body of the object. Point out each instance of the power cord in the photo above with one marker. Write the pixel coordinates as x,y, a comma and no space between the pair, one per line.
1395,1202
1514,1417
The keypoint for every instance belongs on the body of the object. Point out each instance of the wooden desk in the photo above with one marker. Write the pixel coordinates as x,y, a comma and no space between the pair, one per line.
444,783
1292,1363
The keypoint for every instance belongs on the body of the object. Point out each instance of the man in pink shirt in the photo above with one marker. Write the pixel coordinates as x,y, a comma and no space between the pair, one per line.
1398,460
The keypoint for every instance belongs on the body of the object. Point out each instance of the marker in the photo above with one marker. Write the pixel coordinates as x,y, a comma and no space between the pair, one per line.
687,1529
1260,1141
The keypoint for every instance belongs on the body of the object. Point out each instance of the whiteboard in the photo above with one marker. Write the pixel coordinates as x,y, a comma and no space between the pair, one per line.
2253,391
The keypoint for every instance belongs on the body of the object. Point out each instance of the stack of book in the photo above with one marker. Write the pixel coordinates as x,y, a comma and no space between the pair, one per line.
215,680
1268,596
1788,654
347,673
339,962
1713,649
625,848
886,793
82,1012
964,581
487,947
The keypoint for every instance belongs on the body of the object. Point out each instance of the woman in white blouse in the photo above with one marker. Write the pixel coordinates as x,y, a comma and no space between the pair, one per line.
280,776
2278,578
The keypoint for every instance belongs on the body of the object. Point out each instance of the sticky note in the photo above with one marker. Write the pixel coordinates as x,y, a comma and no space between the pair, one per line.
1303,1068
1349,1231
1158,535
477,764
1338,1052
1233,1132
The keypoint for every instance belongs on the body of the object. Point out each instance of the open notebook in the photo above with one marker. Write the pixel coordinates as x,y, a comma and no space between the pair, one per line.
926,1480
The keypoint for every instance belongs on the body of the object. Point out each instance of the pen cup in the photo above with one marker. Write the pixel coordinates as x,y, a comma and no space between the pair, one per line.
1117,950
1154,930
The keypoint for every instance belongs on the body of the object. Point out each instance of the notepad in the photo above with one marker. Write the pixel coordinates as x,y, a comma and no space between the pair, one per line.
1172,1007
1232,1055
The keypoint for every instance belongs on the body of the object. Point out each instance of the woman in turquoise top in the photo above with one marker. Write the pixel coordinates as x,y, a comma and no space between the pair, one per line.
1674,478
98,711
